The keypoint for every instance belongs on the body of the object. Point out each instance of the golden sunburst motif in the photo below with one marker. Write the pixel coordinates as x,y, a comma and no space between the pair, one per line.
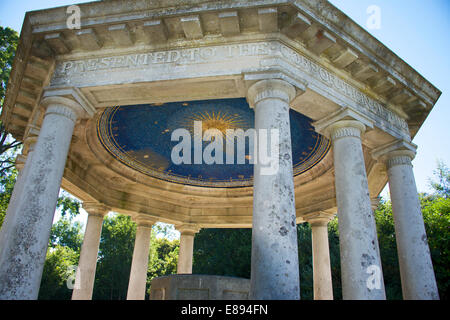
139,137
219,120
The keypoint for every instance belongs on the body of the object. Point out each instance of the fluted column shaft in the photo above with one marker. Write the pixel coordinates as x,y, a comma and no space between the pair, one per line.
274,266
25,236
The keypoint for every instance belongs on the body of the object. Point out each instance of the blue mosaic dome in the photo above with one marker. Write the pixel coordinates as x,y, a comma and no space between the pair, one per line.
139,136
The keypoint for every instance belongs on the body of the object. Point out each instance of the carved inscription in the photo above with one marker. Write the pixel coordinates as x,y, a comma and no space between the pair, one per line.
191,56
341,86
177,57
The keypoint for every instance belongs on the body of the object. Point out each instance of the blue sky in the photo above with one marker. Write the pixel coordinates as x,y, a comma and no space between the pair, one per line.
416,30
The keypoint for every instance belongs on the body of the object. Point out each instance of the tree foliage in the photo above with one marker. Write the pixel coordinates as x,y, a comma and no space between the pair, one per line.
225,252
436,214
163,258
8,45
228,251
7,182
115,255
442,185
8,146
67,233
58,268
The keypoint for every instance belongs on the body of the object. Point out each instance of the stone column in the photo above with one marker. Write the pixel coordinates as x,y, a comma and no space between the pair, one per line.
360,260
187,233
274,270
84,281
139,264
24,239
416,268
323,286
22,167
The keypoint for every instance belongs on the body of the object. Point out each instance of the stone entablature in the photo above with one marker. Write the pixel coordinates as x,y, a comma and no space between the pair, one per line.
203,51
302,55
225,60
327,36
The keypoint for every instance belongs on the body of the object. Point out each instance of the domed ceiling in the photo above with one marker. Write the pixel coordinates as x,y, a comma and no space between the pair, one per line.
139,136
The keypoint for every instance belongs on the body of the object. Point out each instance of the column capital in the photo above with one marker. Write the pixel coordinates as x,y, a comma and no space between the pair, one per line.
95,208
69,102
20,161
270,88
30,139
144,221
188,228
375,202
343,123
62,106
318,218
399,152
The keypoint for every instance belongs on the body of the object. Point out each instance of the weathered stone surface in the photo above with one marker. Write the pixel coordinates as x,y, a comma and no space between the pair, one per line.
274,273
416,267
139,264
85,276
323,287
24,237
182,50
187,233
360,258
199,287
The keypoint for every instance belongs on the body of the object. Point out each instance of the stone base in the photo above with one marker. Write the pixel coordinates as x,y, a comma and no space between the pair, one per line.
199,287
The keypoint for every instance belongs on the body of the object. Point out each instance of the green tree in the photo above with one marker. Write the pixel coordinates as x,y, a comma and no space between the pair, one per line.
67,233
228,251
115,255
441,187
388,250
8,45
305,261
7,182
163,258
67,204
436,214
8,146
335,259
58,268
224,252
62,257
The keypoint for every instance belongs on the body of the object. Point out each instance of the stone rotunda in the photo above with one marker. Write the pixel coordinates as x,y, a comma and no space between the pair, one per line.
96,107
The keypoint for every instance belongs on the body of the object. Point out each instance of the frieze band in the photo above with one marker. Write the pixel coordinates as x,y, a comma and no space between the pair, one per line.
67,69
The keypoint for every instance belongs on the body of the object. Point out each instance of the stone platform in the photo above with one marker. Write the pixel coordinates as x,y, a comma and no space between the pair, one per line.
199,287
